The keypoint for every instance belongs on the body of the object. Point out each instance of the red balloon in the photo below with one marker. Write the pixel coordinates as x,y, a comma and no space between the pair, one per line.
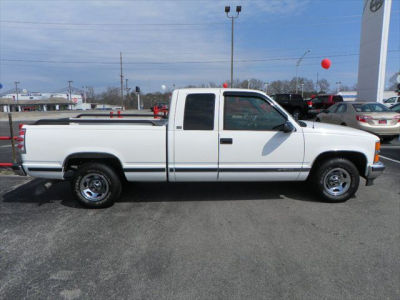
326,63
225,85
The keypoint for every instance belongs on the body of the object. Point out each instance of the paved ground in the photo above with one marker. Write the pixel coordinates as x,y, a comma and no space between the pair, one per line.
200,241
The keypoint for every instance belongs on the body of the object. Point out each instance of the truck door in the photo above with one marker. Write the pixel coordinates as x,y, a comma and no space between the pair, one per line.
195,137
252,148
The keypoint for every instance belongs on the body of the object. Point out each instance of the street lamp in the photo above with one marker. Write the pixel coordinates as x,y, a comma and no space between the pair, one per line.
297,68
266,88
302,89
232,17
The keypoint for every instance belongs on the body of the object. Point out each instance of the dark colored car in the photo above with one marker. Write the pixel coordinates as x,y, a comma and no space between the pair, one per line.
292,103
322,102
396,108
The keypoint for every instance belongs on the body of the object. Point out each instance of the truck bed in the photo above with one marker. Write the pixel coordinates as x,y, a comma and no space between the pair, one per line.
139,145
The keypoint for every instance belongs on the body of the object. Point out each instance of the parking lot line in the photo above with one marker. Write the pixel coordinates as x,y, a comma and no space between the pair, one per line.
391,159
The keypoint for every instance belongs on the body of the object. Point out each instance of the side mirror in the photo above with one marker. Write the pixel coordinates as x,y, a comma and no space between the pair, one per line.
287,127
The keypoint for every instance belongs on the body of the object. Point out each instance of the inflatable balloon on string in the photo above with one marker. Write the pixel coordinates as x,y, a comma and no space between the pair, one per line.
326,63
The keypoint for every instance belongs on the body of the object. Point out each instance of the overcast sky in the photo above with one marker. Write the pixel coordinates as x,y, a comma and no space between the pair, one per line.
179,42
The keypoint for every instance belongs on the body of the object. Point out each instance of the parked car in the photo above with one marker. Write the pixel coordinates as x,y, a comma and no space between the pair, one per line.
368,116
395,108
323,102
210,135
391,101
160,106
292,103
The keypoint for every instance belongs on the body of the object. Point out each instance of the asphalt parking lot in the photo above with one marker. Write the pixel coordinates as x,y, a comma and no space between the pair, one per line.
201,241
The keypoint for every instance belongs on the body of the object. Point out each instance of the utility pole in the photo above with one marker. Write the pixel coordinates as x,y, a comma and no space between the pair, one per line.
227,10
69,89
122,81
302,90
297,68
317,83
266,88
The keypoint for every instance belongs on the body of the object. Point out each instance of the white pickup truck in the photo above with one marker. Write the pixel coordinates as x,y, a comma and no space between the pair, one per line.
209,135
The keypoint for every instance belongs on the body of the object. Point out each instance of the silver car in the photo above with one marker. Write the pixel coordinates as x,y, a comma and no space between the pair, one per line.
373,117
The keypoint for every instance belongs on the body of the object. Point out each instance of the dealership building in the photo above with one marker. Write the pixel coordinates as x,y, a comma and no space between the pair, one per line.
34,101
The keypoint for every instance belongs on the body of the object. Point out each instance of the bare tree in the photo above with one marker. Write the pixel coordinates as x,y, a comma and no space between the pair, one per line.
323,86
393,81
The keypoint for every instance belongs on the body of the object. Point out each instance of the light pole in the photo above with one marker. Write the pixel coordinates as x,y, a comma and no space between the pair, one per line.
297,68
227,10
302,89
338,86
266,88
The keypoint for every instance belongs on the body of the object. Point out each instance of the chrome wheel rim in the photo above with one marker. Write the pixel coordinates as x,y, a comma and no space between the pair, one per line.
337,182
94,187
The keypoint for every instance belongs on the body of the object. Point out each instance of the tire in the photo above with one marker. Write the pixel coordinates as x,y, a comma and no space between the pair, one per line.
343,124
296,114
96,185
317,120
336,180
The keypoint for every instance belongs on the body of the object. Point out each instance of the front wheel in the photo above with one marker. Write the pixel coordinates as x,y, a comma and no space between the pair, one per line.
96,185
336,179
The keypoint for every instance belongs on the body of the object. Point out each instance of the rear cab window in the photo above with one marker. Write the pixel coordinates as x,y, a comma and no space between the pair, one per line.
199,112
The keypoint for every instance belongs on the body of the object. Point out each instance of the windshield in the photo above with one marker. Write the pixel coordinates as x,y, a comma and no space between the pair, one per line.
370,107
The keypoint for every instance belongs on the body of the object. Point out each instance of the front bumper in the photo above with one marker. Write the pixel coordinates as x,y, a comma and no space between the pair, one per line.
373,172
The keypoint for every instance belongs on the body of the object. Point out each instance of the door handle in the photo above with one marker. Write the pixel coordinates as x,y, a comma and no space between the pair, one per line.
226,141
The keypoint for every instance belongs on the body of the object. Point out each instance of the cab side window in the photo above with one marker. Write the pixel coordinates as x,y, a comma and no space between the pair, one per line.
250,113
199,112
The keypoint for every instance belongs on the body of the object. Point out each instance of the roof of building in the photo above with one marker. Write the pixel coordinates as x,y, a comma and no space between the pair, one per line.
7,101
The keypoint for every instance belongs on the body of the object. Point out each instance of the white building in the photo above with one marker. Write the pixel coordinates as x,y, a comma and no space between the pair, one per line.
352,95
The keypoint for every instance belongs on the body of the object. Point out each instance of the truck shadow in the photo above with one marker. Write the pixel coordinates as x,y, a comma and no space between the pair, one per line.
35,192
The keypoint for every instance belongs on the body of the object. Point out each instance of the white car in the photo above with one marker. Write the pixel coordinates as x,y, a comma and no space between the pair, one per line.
391,101
210,135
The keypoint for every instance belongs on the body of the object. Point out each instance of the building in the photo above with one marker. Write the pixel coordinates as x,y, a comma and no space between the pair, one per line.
35,101
352,95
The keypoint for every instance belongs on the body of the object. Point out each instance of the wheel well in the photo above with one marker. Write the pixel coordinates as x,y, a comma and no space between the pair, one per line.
357,158
73,161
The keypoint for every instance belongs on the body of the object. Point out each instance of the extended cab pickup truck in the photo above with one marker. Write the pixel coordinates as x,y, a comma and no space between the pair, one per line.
210,135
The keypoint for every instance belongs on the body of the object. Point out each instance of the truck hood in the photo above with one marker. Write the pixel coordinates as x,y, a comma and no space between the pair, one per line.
318,127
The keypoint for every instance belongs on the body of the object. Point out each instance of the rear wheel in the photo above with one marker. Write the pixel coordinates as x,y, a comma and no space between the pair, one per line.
317,120
96,185
336,179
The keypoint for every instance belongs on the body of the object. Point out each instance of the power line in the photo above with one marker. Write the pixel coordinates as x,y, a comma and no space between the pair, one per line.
109,24
182,62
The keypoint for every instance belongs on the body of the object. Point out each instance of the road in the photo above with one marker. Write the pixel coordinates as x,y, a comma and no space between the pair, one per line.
200,241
